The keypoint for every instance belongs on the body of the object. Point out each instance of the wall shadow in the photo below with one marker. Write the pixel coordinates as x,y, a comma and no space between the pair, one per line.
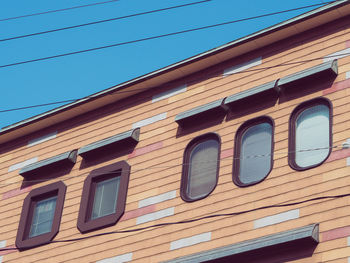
251,105
106,154
46,174
199,123
302,88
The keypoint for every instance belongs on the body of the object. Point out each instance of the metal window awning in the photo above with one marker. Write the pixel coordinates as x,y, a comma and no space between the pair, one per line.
61,160
129,137
203,112
298,238
260,92
328,69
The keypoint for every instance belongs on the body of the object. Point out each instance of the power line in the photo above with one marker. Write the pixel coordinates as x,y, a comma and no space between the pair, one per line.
103,21
39,105
141,89
189,220
200,218
57,10
155,37
191,163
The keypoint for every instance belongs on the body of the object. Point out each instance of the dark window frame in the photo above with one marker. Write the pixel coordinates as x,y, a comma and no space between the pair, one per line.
237,148
85,224
292,130
55,189
186,160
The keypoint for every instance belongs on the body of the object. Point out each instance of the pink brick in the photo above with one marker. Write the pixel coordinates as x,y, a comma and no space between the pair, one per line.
146,149
15,192
337,155
335,233
4,252
138,212
347,43
337,86
226,153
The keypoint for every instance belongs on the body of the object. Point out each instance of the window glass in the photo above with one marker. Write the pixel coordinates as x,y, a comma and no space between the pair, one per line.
312,136
203,166
255,153
105,199
43,215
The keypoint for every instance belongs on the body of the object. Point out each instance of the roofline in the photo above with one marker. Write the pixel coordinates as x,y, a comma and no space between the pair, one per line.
171,68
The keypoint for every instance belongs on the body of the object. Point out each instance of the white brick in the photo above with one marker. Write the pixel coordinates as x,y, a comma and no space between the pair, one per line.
157,199
275,219
22,164
346,144
349,241
337,55
190,241
347,75
169,93
42,139
118,259
243,66
150,120
2,243
348,161
155,215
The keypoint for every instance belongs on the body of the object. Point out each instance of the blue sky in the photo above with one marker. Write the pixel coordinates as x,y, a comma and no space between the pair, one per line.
76,76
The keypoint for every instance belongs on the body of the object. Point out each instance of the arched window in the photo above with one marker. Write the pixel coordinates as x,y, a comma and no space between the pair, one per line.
253,158
201,167
310,134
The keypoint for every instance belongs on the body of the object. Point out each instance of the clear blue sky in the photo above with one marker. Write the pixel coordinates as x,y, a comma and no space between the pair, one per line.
76,76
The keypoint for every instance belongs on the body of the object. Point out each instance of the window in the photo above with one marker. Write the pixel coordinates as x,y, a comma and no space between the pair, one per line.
104,196
41,216
253,158
310,132
201,167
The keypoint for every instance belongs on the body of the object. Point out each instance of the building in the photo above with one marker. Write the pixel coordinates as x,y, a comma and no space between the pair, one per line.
239,154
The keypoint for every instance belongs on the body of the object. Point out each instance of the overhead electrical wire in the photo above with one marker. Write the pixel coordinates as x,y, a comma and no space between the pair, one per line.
104,20
142,89
199,218
185,164
57,10
188,220
155,37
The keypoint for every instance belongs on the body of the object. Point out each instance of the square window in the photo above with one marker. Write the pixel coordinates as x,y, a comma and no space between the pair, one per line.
104,196
41,216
